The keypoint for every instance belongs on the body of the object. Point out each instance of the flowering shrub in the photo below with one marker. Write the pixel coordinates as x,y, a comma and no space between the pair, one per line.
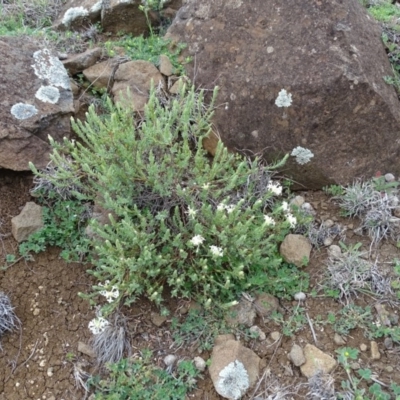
206,228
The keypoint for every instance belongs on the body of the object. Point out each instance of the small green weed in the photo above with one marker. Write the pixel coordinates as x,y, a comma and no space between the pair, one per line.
359,384
138,379
198,329
353,316
148,49
384,11
334,190
64,225
293,323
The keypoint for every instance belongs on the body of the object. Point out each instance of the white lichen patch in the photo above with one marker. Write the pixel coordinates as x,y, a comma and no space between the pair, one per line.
234,381
303,156
23,110
50,68
74,13
96,7
48,94
284,99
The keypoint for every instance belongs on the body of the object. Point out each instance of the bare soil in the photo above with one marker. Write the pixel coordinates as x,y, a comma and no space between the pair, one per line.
38,362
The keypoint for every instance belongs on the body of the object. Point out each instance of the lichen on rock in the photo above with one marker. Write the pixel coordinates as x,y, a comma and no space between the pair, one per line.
23,110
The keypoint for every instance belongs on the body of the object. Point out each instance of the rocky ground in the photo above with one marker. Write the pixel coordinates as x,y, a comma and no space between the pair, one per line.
48,356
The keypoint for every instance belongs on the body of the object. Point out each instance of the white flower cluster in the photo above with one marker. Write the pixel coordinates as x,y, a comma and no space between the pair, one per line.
191,212
275,188
111,294
284,99
269,221
216,251
289,216
234,381
228,208
303,156
97,325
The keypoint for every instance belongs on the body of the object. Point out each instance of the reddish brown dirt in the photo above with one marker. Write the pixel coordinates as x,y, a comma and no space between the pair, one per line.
38,362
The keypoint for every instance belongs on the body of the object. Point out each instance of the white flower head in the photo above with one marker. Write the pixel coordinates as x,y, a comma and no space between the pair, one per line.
191,212
284,99
206,186
285,206
216,251
98,325
230,208
197,240
291,219
221,207
111,294
303,156
269,221
233,381
275,188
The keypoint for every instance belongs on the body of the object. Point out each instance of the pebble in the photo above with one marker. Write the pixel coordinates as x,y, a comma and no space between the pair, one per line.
275,336
260,334
300,296
328,223
363,347
389,369
157,319
296,355
36,311
199,363
328,241
389,177
388,342
339,340
169,360
50,371
297,201
375,355
355,365
334,251
86,349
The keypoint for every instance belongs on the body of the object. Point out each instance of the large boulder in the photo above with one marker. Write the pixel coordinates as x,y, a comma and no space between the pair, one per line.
301,77
36,101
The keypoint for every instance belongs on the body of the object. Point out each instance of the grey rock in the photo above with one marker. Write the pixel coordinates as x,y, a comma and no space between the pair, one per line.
29,221
200,364
339,340
316,361
296,355
296,249
243,313
265,304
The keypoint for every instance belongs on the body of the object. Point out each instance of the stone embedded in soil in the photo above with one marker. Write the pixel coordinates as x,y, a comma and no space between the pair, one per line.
170,359
243,313
363,347
388,342
389,178
383,314
265,304
295,249
86,349
157,319
275,336
220,339
257,330
30,220
224,358
296,355
375,355
316,361
334,251
298,201
200,364
339,340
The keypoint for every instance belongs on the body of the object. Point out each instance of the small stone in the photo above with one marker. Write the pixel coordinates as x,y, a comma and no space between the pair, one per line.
389,178
169,360
298,201
328,241
257,330
300,296
200,364
157,319
316,360
350,226
243,313
328,223
42,363
375,355
275,336
50,371
339,340
389,369
334,251
388,342
296,355
308,208
355,365
363,347
221,339
166,67
86,349
265,304
36,311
